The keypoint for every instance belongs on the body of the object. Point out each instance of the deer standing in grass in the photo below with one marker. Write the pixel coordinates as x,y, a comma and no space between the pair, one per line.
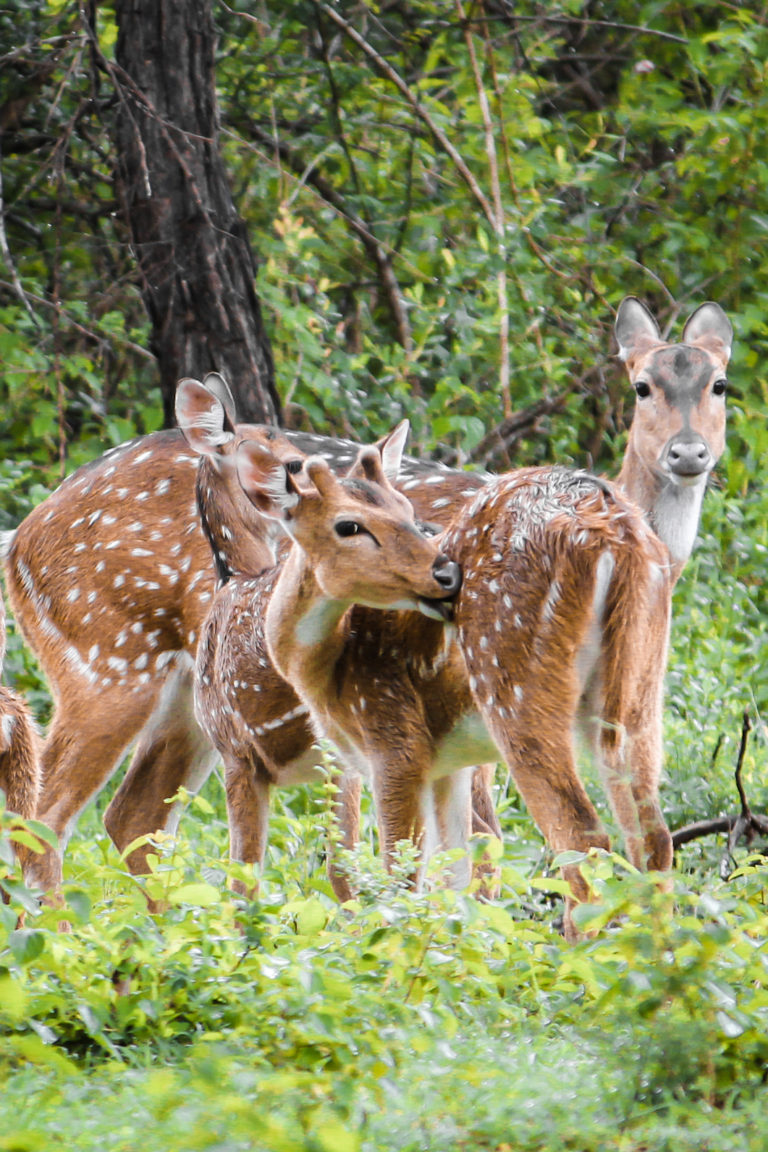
110,577
110,580
677,433
355,551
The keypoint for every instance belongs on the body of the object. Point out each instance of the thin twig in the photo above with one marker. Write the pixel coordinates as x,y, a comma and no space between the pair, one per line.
517,424
498,208
746,728
746,824
395,78
78,327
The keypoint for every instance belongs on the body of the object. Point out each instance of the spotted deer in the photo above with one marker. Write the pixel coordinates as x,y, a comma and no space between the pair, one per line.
110,580
563,620
19,750
677,433
155,477
355,550
364,676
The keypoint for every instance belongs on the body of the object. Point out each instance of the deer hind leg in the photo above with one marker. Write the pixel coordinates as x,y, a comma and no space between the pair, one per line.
630,736
528,699
484,817
172,753
88,737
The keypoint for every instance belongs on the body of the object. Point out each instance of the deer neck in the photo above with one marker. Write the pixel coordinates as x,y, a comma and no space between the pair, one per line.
306,630
672,510
241,541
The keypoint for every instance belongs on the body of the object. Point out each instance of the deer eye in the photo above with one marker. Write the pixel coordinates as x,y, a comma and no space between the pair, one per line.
346,528
643,389
720,387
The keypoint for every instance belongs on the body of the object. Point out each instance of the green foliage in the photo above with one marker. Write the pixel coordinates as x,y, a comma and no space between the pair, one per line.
400,1021
359,158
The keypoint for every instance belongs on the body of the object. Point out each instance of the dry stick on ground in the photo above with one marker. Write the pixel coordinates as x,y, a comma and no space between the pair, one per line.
746,824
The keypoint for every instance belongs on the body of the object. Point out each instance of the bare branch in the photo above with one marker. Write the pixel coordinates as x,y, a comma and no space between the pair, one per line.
516,425
308,175
747,824
76,326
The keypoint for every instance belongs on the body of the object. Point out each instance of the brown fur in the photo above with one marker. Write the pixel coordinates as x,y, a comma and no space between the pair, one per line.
540,650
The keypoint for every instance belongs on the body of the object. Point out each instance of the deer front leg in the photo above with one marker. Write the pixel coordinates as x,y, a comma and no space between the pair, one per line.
247,789
404,801
485,822
346,806
452,800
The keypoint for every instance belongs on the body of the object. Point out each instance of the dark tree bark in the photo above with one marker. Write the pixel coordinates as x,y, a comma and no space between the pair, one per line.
197,267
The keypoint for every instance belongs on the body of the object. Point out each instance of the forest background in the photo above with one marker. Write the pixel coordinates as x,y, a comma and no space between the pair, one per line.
444,203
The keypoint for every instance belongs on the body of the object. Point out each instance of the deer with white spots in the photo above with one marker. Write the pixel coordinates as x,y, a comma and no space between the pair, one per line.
563,619
358,670
676,437
19,750
110,580
563,614
81,612
356,550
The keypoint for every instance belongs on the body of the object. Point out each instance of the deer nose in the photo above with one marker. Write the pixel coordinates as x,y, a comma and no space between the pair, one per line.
689,457
448,575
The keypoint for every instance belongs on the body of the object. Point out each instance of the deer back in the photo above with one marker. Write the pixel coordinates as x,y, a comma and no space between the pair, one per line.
113,573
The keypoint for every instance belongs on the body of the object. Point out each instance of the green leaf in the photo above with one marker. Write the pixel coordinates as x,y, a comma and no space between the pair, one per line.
199,895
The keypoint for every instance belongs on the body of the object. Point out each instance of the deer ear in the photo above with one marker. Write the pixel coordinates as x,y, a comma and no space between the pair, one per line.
391,448
635,328
710,326
265,480
216,384
380,462
318,472
202,416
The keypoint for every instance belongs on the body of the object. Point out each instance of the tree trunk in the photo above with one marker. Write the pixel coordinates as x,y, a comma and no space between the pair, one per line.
197,268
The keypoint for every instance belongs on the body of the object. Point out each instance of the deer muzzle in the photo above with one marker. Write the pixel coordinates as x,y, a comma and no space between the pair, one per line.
689,459
447,574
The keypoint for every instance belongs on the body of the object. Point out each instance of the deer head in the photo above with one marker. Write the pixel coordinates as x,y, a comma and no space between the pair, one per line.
205,412
357,534
678,429
679,422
